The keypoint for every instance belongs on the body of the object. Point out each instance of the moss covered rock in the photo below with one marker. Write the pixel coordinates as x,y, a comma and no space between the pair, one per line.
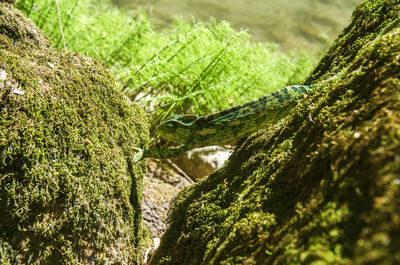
322,186
69,191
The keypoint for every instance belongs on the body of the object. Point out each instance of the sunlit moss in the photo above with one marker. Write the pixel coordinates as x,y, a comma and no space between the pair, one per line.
69,191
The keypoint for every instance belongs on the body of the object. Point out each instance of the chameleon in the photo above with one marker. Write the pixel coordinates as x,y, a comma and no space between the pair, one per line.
224,126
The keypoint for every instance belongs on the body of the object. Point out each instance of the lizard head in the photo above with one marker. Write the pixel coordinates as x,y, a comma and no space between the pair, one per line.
177,128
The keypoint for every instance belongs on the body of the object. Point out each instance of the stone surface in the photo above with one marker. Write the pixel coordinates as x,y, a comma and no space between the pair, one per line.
161,184
201,162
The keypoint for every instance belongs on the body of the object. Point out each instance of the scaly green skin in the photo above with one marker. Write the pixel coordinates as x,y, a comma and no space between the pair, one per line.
227,125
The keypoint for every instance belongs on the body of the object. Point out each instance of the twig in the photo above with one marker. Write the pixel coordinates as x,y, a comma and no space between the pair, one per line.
180,171
59,22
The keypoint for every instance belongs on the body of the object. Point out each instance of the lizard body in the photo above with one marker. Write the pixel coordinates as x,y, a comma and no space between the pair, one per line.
225,126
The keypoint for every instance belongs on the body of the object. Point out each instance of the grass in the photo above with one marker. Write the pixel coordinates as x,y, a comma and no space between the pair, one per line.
185,68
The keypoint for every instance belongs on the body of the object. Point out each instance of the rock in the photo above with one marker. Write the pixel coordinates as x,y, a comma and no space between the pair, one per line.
201,162
161,184
69,192
320,187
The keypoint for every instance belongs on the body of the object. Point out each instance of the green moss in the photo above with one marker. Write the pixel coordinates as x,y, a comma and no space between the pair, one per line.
69,191
322,186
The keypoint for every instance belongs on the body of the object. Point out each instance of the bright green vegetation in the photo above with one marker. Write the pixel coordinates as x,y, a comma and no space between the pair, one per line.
323,186
69,190
225,126
186,68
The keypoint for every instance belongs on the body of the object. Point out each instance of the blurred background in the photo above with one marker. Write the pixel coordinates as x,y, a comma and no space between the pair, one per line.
293,24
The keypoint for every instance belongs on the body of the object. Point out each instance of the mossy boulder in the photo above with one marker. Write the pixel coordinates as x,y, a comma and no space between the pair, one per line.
320,187
69,190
